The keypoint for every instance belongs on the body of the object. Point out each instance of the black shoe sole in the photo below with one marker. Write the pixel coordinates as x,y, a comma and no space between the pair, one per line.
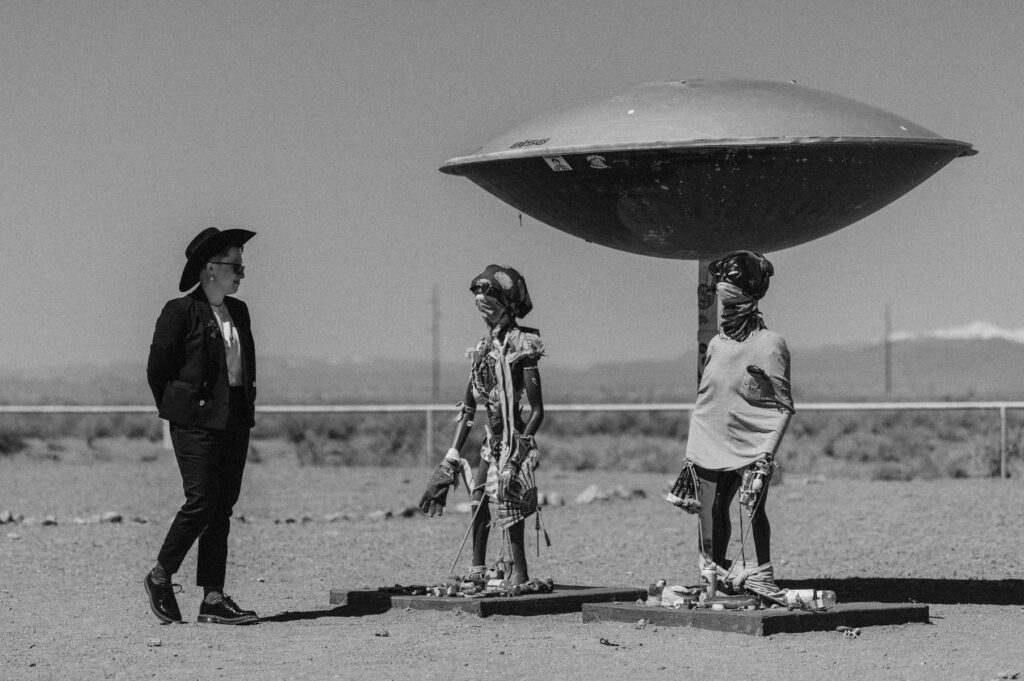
165,619
217,619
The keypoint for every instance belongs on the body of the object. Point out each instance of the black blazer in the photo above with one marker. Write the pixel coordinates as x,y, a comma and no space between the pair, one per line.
187,368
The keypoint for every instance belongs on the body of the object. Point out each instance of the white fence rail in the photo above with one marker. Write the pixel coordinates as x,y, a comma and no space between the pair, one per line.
429,409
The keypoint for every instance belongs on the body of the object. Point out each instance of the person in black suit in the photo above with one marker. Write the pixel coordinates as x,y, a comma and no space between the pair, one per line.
202,372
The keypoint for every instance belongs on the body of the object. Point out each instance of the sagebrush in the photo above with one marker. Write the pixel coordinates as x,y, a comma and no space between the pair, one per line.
890,445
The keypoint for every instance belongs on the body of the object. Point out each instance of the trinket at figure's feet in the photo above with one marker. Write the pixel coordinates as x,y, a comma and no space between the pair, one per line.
735,602
477,574
679,597
498,571
654,592
709,580
533,586
810,599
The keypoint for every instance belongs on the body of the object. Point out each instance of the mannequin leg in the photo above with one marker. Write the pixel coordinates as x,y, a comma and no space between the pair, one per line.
516,538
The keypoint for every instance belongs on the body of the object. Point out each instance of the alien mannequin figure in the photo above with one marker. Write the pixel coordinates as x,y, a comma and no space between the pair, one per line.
504,370
742,409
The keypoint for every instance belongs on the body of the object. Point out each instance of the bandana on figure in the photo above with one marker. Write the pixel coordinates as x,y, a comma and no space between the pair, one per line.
739,316
495,314
505,285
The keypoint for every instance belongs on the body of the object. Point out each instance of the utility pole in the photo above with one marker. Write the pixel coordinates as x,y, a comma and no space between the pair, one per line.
435,335
435,368
707,313
887,342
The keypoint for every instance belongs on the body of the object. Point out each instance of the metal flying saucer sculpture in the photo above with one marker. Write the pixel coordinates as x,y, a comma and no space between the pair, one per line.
693,169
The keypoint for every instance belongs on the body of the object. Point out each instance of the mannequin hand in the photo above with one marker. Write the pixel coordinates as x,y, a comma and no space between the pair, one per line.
684,490
457,465
533,460
526,453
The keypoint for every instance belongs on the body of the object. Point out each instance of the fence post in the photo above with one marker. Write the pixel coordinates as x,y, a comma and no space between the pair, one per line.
429,453
1002,442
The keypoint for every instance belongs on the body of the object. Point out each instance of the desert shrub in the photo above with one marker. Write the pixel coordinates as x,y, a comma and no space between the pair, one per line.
294,427
95,427
892,471
884,445
373,443
957,461
650,424
1015,454
921,468
987,460
891,445
83,426
10,443
861,446
610,452
924,443
342,430
804,427
312,450
793,459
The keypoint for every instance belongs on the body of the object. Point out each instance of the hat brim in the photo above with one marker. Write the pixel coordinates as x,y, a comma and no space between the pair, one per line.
206,250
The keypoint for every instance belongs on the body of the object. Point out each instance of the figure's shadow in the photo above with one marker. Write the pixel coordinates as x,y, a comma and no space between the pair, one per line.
360,610
848,590
914,590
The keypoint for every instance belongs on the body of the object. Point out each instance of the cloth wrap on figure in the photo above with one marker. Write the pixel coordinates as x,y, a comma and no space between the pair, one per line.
497,381
742,279
505,285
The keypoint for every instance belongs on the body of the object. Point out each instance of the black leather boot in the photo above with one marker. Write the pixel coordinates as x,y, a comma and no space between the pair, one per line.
161,600
225,612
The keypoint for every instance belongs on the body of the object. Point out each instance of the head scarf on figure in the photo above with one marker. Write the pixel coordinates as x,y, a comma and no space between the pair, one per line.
741,279
506,286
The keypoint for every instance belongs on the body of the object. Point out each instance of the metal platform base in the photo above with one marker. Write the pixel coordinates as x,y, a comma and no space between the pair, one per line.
761,622
563,599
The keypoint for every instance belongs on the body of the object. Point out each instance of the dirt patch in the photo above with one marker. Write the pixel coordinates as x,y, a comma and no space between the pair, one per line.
72,604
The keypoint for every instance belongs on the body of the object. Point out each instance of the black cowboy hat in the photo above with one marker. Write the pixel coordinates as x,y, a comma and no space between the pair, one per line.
207,244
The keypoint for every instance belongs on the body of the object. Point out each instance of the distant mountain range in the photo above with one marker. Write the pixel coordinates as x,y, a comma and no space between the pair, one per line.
978,361
972,331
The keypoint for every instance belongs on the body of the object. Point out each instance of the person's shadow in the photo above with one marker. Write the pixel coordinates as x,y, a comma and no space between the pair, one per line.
917,590
360,610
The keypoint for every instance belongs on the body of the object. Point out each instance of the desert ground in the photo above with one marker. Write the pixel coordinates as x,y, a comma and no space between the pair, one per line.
72,604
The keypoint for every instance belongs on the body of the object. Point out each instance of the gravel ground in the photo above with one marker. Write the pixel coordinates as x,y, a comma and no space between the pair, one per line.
72,603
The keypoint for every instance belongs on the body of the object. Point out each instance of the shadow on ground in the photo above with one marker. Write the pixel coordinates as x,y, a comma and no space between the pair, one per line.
848,590
913,590
340,611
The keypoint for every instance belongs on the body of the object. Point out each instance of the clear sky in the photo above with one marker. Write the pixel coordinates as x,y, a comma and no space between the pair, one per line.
126,127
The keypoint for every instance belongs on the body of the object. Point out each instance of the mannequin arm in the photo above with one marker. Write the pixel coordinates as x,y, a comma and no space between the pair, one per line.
465,419
534,395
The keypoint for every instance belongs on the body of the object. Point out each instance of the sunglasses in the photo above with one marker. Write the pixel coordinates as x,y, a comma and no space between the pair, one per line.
485,289
237,266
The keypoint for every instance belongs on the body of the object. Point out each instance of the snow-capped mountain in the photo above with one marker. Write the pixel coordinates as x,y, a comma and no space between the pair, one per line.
978,330
976,361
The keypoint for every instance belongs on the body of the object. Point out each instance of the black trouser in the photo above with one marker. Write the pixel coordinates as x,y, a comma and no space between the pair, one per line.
211,464
716,490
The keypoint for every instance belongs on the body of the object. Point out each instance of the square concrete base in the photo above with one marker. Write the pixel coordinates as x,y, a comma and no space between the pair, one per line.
563,599
761,622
